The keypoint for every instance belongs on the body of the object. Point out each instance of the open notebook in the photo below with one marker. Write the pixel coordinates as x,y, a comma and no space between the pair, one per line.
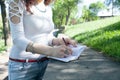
76,53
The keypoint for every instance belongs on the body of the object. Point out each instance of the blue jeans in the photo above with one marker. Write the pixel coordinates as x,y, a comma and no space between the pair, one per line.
27,71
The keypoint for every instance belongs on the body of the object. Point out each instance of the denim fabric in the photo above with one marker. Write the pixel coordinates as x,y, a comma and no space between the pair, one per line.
27,71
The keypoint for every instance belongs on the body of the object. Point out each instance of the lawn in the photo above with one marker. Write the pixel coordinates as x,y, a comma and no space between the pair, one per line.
102,35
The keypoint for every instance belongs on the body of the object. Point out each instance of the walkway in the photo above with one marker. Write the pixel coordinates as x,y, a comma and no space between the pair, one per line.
91,65
3,65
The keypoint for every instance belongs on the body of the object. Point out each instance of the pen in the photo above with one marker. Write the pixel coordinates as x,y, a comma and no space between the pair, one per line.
64,41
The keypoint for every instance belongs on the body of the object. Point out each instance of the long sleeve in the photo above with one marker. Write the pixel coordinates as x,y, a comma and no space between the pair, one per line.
16,8
50,14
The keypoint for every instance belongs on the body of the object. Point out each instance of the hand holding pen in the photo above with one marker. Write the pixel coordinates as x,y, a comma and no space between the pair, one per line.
68,41
64,41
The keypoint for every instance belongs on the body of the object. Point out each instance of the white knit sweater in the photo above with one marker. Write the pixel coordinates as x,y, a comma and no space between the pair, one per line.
36,27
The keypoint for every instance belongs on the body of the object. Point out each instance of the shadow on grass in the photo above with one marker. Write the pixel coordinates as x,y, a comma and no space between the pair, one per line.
90,34
100,39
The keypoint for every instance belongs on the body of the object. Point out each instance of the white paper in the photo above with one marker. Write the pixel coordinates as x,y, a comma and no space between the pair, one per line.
76,53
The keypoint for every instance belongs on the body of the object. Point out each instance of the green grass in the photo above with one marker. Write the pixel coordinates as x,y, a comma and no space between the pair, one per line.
102,35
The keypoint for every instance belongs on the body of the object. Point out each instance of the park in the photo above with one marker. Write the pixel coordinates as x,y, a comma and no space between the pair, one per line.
100,34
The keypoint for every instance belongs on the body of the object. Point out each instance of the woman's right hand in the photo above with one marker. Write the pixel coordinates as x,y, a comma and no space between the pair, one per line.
61,51
56,51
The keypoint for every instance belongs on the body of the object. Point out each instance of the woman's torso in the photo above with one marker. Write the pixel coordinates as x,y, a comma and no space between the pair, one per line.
37,27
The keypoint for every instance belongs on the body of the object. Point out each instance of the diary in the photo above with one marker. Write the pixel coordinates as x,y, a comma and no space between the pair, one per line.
76,53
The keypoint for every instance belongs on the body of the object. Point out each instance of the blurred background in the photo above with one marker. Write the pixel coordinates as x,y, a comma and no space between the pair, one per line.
94,23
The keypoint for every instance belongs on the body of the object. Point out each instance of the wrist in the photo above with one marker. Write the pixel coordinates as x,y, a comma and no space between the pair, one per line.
42,49
49,51
30,47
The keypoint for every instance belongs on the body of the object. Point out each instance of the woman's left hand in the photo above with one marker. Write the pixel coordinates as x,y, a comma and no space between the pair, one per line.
68,41
64,41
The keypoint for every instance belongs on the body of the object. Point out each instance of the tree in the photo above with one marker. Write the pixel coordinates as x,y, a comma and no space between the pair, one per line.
5,21
96,7
117,2
85,14
113,3
108,2
90,13
62,11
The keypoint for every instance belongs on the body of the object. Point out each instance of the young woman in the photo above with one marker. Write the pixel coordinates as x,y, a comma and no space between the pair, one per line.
31,26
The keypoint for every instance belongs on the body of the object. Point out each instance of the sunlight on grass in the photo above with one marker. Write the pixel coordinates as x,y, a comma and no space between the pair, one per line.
90,26
103,35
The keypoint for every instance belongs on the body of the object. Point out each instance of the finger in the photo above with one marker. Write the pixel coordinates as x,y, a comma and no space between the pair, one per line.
74,43
63,55
69,50
66,50
70,41
63,49
65,41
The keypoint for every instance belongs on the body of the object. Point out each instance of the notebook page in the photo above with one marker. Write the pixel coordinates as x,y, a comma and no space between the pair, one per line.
76,53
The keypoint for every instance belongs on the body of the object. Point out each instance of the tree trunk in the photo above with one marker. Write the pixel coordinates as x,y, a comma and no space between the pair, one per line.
61,18
5,22
67,16
112,8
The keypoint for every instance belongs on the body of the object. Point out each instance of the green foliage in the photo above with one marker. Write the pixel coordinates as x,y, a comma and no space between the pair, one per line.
95,7
90,14
86,13
1,28
62,11
117,2
102,35
2,47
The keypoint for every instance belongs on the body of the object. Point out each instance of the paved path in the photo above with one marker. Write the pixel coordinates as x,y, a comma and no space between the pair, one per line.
3,66
91,65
